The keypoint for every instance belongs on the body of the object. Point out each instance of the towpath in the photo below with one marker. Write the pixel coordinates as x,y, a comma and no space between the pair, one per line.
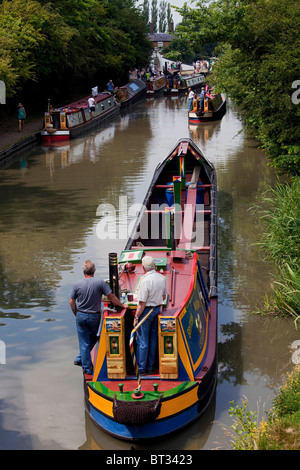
10,136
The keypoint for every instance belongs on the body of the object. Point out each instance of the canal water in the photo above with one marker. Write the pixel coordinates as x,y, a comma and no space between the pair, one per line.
53,206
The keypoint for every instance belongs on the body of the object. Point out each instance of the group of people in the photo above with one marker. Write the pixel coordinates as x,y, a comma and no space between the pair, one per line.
86,305
193,97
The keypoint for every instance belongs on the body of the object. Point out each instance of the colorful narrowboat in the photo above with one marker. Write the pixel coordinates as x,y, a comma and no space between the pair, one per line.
178,84
131,93
177,226
214,109
61,124
155,85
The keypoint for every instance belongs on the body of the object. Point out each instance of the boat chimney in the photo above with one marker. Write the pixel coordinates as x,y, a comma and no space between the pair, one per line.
113,273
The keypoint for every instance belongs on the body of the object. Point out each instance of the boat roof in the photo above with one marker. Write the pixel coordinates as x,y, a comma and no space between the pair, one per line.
83,102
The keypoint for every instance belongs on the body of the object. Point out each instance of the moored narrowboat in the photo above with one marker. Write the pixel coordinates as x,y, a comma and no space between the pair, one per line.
155,85
61,124
214,108
177,226
180,84
131,93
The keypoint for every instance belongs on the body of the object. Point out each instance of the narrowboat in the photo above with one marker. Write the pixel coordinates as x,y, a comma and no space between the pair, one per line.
131,93
155,85
177,226
180,84
213,110
61,124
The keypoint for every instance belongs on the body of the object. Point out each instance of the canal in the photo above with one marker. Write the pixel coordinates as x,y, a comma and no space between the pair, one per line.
53,204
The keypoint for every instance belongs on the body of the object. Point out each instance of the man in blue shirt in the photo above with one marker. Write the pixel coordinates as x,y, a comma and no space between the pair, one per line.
202,98
86,304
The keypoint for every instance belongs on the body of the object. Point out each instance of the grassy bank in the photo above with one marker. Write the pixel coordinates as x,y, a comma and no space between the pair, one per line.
279,210
281,428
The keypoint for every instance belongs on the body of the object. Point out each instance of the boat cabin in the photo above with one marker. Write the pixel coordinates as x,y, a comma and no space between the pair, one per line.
174,228
77,113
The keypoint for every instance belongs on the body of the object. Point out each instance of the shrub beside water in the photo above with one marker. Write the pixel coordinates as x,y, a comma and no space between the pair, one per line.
281,429
280,213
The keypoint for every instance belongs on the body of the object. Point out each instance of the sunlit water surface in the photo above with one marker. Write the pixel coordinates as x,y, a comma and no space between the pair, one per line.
52,204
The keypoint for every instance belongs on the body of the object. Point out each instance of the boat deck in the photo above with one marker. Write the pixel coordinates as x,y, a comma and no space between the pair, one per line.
147,385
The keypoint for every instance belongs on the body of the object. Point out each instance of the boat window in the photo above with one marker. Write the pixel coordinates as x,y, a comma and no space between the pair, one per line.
75,118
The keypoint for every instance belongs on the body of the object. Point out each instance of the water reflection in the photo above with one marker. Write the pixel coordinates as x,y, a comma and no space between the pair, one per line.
50,200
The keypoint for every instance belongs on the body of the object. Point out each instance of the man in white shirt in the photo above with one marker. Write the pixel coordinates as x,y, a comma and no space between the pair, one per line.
92,104
191,97
151,294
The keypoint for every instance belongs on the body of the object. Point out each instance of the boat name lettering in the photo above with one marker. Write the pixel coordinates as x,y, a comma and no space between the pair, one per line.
191,322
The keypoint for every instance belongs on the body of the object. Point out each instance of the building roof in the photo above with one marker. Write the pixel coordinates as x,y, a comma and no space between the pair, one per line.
160,37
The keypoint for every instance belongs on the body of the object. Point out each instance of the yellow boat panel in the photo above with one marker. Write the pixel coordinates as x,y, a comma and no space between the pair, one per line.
168,408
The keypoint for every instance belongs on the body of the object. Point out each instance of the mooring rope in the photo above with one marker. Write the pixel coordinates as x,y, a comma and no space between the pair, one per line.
132,348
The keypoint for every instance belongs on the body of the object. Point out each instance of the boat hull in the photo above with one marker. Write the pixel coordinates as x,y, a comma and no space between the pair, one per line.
56,137
176,413
196,117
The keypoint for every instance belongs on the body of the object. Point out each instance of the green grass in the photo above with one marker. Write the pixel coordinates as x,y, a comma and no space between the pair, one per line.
279,211
281,429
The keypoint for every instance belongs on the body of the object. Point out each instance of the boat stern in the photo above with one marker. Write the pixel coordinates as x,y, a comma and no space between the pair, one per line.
131,414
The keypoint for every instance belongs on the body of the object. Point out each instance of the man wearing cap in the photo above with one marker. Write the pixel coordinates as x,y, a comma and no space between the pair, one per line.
151,294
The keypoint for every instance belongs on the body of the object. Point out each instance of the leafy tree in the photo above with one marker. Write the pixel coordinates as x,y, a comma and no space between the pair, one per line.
179,49
169,17
26,28
162,16
154,15
259,61
146,11
62,48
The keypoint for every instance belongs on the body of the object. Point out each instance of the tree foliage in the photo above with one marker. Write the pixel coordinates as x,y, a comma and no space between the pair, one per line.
179,50
26,28
69,45
259,61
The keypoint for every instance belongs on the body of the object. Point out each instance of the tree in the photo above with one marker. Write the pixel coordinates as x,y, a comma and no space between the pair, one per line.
179,50
169,18
26,27
146,11
162,16
154,15
259,61
62,48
